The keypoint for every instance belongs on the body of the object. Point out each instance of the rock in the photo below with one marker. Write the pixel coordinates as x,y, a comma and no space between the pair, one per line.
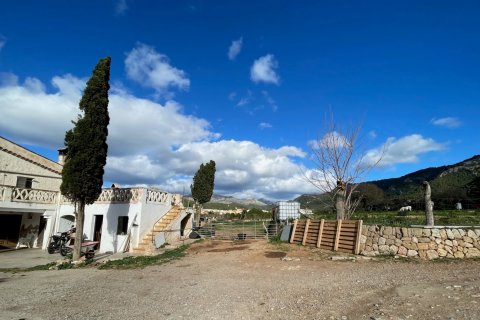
455,243
457,234
432,254
438,241
477,232
435,233
459,255
405,232
393,249
410,245
417,232
432,246
423,246
450,234
467,239
449,250
461,232
467,245
363,239
472,234
414,239
369,253
426,232
412,253
398,242
381,241
442,253
388,231
424,240
402,251
375,247
449,243
473,253
390,242
384,249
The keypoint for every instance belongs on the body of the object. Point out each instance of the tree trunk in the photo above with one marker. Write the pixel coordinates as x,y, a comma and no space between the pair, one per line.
77,246
198,207
340,205
428,204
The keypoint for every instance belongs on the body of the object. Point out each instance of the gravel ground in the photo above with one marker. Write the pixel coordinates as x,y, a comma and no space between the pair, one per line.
249,280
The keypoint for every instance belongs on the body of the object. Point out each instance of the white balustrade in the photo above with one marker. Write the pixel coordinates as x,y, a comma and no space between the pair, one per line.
33,195
158,196
120,195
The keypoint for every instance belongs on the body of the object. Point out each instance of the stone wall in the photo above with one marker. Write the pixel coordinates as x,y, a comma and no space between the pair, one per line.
423,242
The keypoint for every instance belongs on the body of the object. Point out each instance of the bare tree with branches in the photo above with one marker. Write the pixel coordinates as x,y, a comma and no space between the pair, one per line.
341,163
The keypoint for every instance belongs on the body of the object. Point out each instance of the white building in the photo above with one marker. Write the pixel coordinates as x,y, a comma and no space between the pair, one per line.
29,197
122,219
128,219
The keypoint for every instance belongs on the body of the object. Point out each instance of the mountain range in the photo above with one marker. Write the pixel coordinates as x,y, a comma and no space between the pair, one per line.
450,184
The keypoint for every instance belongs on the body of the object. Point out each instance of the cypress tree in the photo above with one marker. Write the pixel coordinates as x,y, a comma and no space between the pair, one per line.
202,187
82,175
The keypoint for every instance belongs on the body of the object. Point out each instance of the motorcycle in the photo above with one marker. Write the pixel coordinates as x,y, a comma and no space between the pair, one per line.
59,241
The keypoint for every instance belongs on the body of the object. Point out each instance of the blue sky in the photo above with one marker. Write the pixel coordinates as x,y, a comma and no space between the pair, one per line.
246,84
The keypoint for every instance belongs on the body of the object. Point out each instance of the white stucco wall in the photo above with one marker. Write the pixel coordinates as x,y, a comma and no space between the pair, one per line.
110,241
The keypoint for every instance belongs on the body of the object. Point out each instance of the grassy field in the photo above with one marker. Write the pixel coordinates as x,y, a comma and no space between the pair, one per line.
392,218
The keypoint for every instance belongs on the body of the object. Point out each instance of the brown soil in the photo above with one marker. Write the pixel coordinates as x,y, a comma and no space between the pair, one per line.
249,280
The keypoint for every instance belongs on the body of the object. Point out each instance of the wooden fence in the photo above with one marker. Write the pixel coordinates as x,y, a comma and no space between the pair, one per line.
335,235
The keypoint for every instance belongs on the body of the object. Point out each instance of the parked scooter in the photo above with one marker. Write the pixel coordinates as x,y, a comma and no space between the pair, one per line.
59,240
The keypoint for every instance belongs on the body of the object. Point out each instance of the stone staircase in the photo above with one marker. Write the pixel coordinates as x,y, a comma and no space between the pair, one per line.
146,245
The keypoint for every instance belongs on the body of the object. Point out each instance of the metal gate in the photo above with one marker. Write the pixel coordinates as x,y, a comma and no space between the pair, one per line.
240,230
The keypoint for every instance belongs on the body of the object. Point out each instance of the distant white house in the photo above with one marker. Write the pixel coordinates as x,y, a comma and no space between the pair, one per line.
32,208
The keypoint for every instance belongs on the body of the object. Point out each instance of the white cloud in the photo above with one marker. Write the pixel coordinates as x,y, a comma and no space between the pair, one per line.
152,69
264,125
121,7
235,48
331,140
372,134
449,122
404,150
151,143
264,70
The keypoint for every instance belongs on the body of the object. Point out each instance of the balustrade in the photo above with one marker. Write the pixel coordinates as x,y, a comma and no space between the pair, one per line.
33,195
120,195
157,196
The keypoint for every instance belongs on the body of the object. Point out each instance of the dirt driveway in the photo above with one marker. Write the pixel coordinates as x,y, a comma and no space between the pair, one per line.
249,280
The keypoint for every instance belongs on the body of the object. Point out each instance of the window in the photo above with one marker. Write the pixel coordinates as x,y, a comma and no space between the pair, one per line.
24,182
122,225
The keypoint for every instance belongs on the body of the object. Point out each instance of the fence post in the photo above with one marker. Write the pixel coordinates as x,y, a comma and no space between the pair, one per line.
359,234
320,233
293,230
337,235
305,233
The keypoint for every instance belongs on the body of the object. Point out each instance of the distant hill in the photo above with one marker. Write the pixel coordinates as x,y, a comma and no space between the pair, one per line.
461,174
450,184
228,202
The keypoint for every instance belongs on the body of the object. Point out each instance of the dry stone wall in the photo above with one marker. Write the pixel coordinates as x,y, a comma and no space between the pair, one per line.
425,243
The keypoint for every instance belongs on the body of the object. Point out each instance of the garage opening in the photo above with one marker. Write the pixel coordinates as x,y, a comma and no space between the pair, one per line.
9,230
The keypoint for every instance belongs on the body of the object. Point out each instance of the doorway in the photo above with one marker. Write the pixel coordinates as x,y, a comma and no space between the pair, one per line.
9,230
41,231
97,229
